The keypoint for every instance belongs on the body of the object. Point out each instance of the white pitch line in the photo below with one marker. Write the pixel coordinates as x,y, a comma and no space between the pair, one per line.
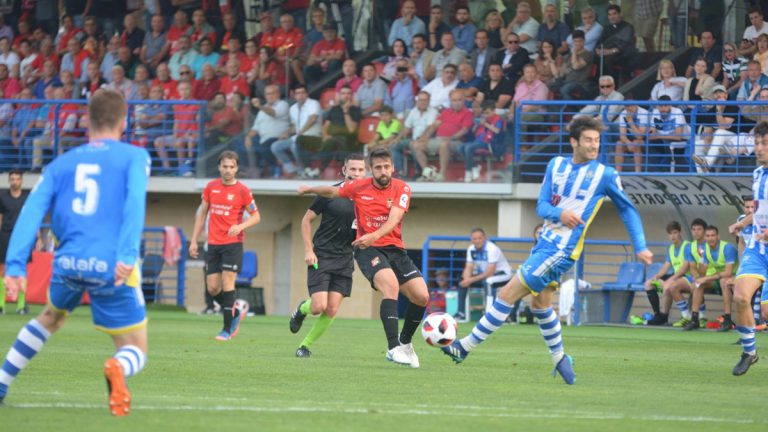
573,415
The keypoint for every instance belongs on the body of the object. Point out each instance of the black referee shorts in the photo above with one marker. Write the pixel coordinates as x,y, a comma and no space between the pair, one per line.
5,238
228,257
373,259
334,273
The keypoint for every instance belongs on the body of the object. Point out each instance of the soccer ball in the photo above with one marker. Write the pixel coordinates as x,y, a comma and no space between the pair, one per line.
241,306
439,329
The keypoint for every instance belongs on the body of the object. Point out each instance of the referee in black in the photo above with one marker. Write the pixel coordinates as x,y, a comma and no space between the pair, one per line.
11,202
328,257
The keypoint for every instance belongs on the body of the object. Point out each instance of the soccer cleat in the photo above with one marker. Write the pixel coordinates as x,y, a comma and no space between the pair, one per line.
208,311
565,369
303,352
683,321
223,336
744,363
119,397
725,326
23,311
455,351
398,355
658,320
237,318
414,359
692,325
703,322
297,319
636,320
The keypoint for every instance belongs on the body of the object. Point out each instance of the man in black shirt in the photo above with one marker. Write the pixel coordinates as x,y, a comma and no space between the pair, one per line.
617,44
339,129
11,202
496,88
328,257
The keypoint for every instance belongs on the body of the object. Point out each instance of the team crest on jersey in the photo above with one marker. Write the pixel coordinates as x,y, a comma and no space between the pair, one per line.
230,197
555,199
375,261
389,202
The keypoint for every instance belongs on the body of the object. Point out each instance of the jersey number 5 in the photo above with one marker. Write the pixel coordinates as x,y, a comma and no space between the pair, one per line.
86,184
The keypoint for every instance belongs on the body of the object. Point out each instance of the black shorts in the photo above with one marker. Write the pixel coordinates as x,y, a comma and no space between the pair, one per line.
373,259
5,238
332,274
228,257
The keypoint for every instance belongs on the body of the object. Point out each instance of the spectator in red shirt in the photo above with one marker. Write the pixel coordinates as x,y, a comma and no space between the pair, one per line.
234,81
165,81
251,60
326,56
178,29
225,122
264,37
206,87
349,76
269,72
185,133
46,53
200,29
24,34
287,42
234,52
68,32
230,32
450,132
9,85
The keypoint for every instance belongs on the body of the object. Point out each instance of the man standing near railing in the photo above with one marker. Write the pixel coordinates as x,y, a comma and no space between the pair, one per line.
754,264
224,201
11,201
571,194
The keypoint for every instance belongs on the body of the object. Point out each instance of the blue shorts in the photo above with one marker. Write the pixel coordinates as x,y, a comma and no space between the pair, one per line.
543,267
764,293
115,310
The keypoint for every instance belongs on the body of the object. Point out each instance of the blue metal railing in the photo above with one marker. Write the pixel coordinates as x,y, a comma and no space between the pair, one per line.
174,276
33,136
598,263
541,132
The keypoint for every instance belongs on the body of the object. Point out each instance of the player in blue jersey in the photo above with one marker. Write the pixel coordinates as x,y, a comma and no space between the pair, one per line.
96,194
754,263
571,195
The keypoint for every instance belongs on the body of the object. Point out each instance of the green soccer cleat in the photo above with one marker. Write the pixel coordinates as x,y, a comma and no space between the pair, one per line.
683,321
636,320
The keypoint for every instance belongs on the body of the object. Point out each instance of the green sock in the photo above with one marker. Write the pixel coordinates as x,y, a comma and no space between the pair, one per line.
22,301
321,325
2,294
306,307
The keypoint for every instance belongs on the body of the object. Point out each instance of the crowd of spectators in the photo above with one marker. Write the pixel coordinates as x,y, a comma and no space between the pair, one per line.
449,86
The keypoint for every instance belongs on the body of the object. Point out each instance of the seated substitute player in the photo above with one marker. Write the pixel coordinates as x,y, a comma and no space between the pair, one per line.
380,204
486,267
754,264
96,194
328,257
675,287
572,192
224,201
719,267
676,254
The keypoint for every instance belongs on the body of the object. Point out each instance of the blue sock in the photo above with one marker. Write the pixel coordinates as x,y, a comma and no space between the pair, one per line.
756,306
28,343
132,359
747,335
683,306
489,323
551,331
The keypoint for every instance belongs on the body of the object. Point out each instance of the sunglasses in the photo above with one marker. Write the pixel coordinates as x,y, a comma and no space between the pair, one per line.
513,41
606,86
185,73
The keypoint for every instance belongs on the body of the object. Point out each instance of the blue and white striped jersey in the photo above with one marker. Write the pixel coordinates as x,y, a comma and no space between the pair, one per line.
97,197
746,233
760,215
581,189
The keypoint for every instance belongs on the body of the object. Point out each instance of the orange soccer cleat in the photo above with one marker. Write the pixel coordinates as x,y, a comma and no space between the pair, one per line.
119,396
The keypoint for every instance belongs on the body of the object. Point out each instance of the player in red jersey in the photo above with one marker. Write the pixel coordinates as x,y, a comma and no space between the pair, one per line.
224,201
380,204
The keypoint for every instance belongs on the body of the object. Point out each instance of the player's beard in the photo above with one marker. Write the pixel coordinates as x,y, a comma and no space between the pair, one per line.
382,180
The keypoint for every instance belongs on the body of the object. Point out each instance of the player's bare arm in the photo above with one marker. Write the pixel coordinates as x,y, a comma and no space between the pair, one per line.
736,228
395,216
323,191
645,257
253,219
306,234
202,211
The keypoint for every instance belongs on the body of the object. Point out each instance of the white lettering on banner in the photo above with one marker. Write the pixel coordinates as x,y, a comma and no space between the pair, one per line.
69,262
686,191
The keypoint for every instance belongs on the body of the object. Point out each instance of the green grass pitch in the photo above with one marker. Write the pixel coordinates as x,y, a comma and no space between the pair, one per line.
629,379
